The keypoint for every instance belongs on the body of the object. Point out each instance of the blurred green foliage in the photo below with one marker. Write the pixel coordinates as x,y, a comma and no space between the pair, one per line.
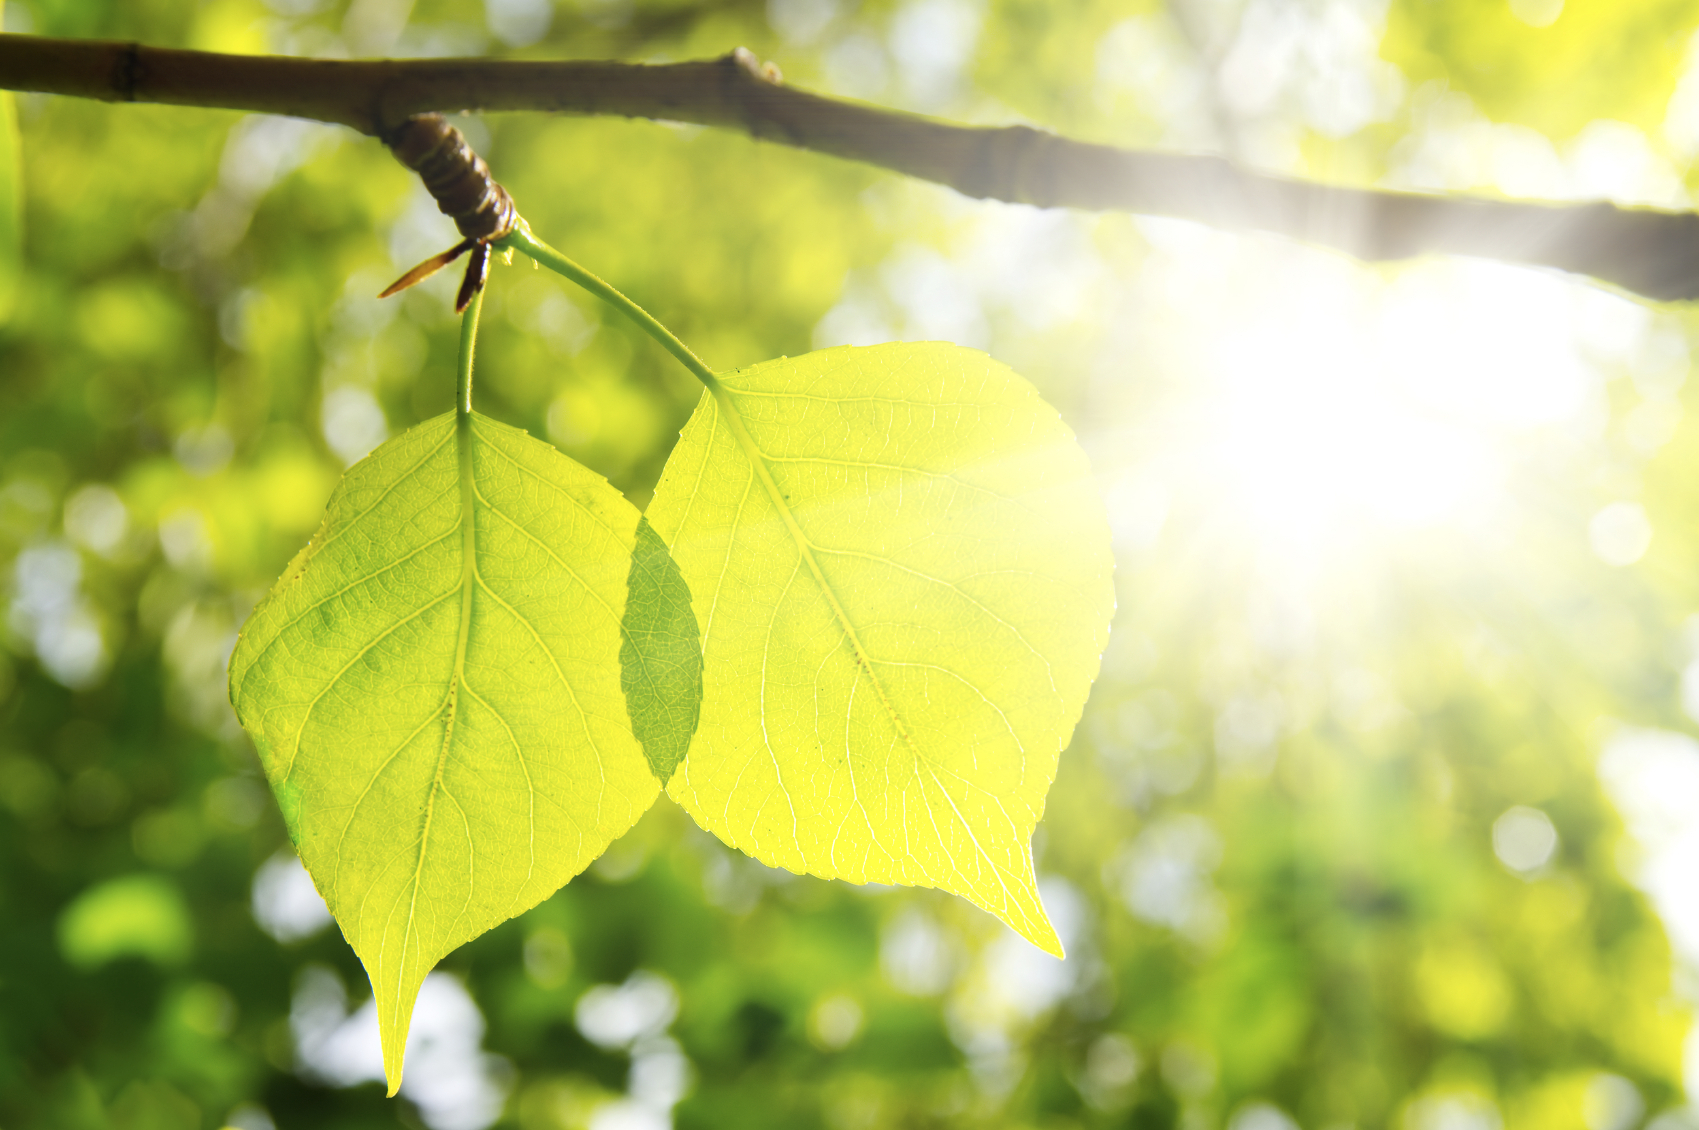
1270,847
1597,59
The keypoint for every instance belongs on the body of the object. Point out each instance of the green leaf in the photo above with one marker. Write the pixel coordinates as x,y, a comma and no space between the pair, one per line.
437,701
661,658
902,571
130,916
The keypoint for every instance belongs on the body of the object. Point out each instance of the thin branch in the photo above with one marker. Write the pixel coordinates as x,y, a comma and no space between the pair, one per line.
1649,252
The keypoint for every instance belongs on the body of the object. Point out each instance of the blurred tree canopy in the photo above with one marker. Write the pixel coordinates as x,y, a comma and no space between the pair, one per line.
1376,815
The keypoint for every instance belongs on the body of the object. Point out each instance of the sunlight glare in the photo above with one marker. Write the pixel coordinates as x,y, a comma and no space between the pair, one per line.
1341,409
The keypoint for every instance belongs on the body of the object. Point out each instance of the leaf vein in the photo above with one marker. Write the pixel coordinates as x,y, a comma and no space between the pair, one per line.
337,678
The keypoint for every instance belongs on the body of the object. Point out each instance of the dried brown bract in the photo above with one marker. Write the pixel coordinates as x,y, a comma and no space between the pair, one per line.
460,183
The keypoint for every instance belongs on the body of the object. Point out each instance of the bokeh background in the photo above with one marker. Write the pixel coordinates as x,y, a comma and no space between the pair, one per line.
1384,812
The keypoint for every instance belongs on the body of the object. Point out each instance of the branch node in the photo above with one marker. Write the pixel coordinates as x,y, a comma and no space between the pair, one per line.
744,80
127,72
1002,163
461,184
747,61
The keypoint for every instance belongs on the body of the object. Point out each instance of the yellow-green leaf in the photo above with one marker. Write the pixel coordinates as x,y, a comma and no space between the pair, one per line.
434,688
902,572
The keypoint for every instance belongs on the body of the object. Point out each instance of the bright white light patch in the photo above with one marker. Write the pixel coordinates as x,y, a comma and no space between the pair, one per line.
1455,1110
1524,839
1611,1103
518,23
1165,877
285,903
96,518
1620,533
615,1016
353,423
453,1082
1653,776
634,1017
1261,1116
1335,410
915,954
49,608
1316,437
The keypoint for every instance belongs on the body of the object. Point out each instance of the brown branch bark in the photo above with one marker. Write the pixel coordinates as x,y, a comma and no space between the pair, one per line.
1652,253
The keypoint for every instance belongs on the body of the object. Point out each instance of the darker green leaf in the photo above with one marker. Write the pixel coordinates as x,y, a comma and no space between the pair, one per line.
661,656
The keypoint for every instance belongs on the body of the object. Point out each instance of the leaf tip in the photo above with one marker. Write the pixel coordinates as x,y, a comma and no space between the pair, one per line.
1043,935
395,1001
1025,915
393,1036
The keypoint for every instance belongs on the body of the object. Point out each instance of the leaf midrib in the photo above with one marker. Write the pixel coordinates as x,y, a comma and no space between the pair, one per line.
468,581
758,460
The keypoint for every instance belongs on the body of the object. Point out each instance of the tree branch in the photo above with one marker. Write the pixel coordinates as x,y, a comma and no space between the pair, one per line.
1652,253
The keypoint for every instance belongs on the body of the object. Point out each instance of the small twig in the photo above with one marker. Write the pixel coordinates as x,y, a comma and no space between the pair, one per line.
1650,252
